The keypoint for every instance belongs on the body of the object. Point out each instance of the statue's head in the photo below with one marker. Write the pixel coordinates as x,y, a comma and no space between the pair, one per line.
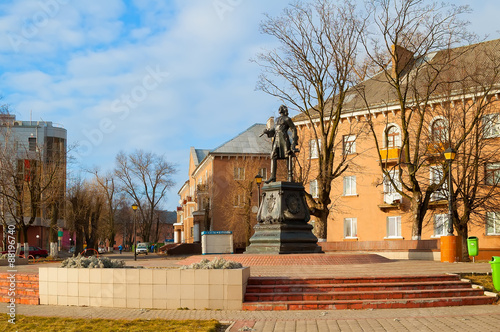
283,110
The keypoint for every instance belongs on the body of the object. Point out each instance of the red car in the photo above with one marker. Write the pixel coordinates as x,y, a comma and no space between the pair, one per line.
34,251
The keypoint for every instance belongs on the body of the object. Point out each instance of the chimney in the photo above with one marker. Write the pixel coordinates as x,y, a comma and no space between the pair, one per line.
402,60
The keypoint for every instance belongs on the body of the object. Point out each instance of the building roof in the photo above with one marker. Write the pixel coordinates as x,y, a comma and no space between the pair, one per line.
247,142
198,155
459,69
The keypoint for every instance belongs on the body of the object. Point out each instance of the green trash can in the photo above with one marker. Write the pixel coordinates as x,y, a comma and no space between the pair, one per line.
472,245
495,272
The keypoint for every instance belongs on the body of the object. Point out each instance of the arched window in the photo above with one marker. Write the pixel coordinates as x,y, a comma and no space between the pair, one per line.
393,137
439,131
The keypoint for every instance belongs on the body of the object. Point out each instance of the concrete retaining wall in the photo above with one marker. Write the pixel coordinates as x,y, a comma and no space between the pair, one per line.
144,288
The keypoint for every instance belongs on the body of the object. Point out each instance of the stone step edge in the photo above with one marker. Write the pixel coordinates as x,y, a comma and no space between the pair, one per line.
398,284
418,291
353,280
469,299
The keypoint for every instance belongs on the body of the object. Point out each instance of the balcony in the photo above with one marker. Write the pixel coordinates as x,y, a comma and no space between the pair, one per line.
201,188
396,204
437,204
390,155
436,148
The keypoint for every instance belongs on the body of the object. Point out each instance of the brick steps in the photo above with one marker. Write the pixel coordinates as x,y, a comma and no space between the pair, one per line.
378,295
354,280
365,287
360,293
26,288
373,304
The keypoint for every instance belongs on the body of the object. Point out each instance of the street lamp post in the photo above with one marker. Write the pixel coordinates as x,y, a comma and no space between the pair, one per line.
258,180
449,155
134,208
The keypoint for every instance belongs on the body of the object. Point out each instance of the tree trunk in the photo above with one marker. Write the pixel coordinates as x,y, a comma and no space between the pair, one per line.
321,225
25,239
78,241
418,217
53,231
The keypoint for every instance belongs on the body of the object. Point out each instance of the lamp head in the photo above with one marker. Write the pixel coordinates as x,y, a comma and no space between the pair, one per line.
134,206
449,154
258,179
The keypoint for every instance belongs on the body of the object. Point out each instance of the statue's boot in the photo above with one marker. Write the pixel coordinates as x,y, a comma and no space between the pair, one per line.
273,172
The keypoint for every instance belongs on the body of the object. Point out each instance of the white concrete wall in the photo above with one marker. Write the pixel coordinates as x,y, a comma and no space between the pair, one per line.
144,288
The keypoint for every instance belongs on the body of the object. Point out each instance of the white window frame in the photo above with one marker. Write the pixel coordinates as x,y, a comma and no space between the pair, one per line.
349,144
349,185
390,193
442,139
394,223
239,200
436,174
441,224
239,173
493,223
313,188
313,148
263,173
491,125
492,174
397,143
350,228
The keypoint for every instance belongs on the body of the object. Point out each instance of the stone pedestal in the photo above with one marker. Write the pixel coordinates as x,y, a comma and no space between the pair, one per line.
282,226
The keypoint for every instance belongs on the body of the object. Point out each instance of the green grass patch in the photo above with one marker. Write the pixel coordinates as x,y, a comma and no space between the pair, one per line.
35,323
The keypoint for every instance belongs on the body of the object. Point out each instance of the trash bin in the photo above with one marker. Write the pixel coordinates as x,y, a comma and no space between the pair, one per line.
495,272
472,245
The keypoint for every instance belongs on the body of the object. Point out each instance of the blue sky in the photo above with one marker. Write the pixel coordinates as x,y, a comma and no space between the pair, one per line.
156,75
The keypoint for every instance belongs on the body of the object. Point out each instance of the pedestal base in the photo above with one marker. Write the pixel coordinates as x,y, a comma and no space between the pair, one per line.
283,227
283,239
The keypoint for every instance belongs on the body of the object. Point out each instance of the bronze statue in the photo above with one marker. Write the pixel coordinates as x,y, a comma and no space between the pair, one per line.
282,147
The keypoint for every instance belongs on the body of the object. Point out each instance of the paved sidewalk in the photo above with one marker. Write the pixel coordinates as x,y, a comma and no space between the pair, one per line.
465,318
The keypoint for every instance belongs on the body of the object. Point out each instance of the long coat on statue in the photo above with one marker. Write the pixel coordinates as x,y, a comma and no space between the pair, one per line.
281,142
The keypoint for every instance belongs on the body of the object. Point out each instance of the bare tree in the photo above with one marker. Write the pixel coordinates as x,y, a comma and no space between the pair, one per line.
312,71
146,178
238,199
404,35
84,213
474,79
108,188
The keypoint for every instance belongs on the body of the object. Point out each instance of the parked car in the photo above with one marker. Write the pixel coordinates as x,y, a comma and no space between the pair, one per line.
36,252
101,250
142,248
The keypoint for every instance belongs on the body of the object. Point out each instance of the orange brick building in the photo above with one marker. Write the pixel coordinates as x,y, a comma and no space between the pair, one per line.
367,212
220,193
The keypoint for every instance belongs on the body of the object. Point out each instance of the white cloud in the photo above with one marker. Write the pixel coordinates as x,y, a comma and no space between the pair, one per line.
79,68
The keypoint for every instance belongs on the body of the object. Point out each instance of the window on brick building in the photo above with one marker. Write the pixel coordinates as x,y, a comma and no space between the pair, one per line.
491,125
239,173
493,223
313,148
350,228
313,188
349,185
492,171
349,144
394,227
441,224
393,137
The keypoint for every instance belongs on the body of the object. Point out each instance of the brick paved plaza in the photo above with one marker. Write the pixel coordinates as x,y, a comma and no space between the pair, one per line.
465,318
